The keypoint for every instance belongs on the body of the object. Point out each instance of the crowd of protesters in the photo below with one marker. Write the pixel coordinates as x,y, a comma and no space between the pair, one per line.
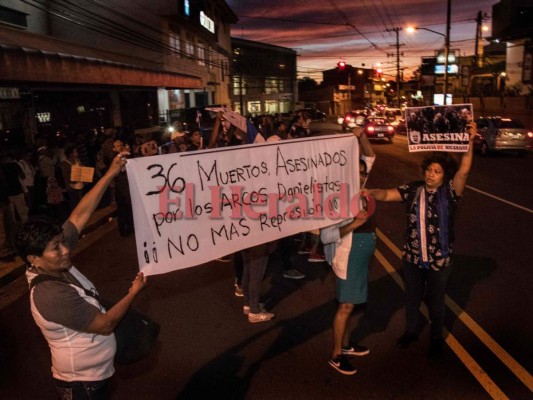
38,180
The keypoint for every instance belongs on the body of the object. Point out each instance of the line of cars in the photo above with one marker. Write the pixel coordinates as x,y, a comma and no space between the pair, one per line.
377,125
495,134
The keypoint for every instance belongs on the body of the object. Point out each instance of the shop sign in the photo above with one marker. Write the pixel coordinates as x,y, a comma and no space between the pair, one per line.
207,22
9,93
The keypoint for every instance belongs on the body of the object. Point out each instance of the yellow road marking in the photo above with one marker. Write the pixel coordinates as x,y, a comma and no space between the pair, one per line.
474,368
519,371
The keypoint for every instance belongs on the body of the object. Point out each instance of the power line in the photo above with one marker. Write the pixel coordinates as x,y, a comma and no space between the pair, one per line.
348,23
299,21
111,28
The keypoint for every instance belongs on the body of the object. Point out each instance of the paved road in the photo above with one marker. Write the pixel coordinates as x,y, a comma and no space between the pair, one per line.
208,350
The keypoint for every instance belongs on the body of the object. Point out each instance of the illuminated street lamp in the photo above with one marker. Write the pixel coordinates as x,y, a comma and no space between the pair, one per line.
412,29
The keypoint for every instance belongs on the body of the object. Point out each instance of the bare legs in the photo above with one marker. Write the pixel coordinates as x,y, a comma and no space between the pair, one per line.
341,323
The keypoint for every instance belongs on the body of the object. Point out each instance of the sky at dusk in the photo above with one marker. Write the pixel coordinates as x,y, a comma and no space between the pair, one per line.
325,31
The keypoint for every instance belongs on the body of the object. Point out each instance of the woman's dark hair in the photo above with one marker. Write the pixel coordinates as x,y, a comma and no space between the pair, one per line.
448,164
33,237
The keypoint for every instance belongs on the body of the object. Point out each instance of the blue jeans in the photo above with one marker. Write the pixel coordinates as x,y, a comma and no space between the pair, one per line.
80,390
433,283
255,262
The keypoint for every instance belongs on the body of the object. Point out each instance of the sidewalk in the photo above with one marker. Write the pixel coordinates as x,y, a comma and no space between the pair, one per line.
11,270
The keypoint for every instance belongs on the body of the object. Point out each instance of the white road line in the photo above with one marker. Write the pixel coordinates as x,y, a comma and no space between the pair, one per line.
500,199
519,371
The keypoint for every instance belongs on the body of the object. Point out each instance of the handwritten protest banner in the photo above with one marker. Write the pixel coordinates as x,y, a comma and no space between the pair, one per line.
190,208
438,128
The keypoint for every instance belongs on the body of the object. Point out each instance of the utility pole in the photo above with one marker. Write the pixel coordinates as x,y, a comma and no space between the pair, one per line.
447,50
398,77
478,51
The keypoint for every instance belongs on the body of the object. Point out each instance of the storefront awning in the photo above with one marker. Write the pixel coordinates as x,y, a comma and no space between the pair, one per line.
28,57
30,65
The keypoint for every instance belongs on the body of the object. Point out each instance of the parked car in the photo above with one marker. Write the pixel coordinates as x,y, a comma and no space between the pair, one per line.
314,114
502,134
352,119
393,115
377,128
401,128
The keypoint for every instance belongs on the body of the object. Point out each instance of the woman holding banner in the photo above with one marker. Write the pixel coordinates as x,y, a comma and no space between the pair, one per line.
430,208
348,247
65,304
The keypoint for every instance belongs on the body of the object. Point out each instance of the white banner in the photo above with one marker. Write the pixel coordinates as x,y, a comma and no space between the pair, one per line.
190,208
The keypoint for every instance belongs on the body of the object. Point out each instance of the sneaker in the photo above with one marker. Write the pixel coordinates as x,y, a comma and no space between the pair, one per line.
316,257
406,339
293,274
224,259
238,289
355,350
263,316
246,309
341,364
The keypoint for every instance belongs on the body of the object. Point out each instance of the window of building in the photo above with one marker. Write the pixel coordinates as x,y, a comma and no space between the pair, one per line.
201,54
271,106
254,107
189,45
175,43
282,85
284,106
239,83
13,17
271,85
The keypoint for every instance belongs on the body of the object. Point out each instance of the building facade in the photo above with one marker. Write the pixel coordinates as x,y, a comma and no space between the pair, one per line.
512,25
263,78
92,65
353,87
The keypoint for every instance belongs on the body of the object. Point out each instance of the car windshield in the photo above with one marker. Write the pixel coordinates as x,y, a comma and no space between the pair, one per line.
508,124
377,121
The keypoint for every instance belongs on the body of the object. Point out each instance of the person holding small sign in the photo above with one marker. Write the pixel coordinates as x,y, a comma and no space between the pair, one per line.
74,187
427,253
